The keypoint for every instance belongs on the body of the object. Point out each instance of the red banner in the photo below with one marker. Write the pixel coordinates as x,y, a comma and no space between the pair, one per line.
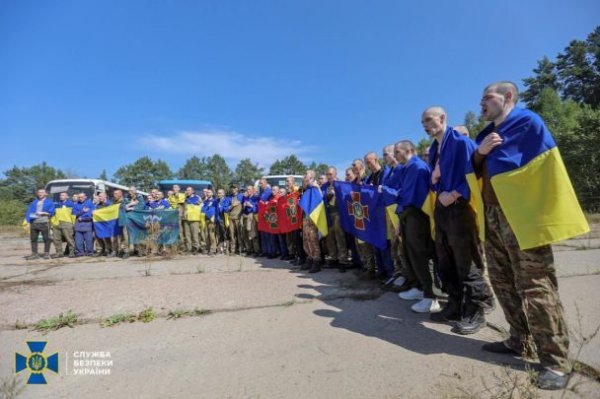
267,217
289,214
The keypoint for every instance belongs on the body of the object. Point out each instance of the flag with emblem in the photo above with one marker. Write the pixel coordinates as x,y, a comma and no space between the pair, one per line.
289,213
157,225
362,212
268,220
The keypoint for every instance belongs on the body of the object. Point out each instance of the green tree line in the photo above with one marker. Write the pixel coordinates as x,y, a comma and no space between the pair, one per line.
19,185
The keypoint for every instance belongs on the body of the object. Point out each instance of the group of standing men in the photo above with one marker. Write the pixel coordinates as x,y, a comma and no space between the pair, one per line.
436,242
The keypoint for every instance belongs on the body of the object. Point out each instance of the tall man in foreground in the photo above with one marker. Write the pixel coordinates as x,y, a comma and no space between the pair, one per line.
529,203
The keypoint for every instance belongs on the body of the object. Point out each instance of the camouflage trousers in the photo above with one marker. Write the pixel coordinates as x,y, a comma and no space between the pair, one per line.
366,255
336,240
526,287
310,239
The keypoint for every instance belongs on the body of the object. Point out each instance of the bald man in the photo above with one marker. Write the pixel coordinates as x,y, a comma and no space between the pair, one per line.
415,226
310,233
462,130
364,250
524,280
459,256
383,257
358,169
392,186
335,240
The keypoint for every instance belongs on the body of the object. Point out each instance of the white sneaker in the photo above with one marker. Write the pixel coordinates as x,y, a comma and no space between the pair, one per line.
411,295
399,282
426,305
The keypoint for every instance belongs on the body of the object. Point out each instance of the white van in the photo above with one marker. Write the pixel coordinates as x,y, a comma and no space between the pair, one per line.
88,186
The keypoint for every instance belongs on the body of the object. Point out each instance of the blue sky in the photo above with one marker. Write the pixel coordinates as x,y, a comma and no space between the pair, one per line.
92,85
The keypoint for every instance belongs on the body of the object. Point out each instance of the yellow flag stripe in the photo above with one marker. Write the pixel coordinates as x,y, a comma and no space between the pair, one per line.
319,218
476,202
539,201
107,214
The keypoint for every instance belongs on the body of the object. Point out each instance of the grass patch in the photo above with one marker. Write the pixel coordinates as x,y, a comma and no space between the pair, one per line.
68,319
200,312
146,315
19,325
200,269
177,314
117,319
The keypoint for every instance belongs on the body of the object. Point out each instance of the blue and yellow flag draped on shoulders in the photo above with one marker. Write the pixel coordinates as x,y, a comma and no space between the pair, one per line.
416,191
161,225
313,206
531,183
362,212
106,221
457,173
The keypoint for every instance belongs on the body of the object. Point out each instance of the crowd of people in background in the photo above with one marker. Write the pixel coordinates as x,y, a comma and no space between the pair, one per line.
414,262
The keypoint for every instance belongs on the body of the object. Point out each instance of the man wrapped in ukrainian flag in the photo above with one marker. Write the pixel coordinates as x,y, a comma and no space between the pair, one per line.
529,203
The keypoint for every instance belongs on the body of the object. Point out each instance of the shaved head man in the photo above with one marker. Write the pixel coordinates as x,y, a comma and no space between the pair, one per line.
383,256
523,278
310,233
388,156
337,249
358,168
417,245
462,130
457,242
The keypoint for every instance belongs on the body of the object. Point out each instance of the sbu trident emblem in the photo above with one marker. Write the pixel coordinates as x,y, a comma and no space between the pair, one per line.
36,362
358,210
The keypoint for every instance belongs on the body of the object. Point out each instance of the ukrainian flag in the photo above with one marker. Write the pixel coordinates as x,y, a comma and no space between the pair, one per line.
476,202
531,183
416,189
391,217
63,214
192,212
106,221
313,206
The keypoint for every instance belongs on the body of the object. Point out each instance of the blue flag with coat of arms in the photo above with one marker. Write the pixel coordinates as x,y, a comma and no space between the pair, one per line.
362,212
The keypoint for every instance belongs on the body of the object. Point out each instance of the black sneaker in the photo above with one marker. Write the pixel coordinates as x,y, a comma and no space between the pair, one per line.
551,381
450,312
307,265
315,268
471,324
56,256
125,255
499,347
46,256
32,257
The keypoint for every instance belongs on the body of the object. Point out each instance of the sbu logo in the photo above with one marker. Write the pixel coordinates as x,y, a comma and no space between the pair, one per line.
36,362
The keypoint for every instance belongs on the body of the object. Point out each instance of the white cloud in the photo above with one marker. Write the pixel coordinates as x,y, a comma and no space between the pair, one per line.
231,145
